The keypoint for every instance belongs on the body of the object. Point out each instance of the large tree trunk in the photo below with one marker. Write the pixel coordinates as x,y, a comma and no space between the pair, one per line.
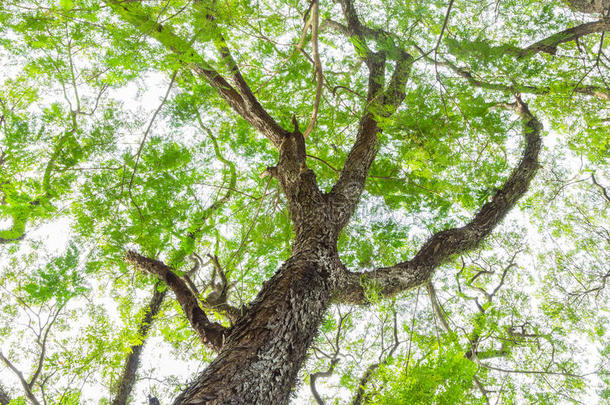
268,345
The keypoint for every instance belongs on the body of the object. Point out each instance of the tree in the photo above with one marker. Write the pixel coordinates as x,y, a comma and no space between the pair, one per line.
326,159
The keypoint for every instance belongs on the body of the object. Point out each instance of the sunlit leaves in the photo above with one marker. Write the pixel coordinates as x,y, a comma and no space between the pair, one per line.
80,89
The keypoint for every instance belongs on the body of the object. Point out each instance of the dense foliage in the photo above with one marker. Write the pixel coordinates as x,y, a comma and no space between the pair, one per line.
123,129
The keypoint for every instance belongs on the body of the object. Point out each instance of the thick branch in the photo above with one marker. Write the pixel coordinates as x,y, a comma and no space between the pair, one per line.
550,44
389,281
381,103
590,6
299,184
128,377
212,334
345,194
244,104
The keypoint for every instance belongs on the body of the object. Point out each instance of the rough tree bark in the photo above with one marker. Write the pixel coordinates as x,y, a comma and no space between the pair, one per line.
260,355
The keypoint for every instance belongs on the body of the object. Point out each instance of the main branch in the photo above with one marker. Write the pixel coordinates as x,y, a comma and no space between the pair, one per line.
382,102
388,281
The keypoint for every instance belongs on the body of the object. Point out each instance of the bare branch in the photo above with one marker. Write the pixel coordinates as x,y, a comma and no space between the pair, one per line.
443,245
334,360
602,188
217,299
211,334
437,308
320,374
359,396
4,397
43,345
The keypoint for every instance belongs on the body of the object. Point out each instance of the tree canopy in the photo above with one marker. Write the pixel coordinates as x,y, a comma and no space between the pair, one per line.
249,201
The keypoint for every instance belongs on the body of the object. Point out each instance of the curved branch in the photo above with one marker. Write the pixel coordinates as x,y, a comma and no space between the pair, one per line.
15,233
43,346
315,26
388,281
321,374
211,334
217,299
547,45
360,395
550,44
602,188
128,377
